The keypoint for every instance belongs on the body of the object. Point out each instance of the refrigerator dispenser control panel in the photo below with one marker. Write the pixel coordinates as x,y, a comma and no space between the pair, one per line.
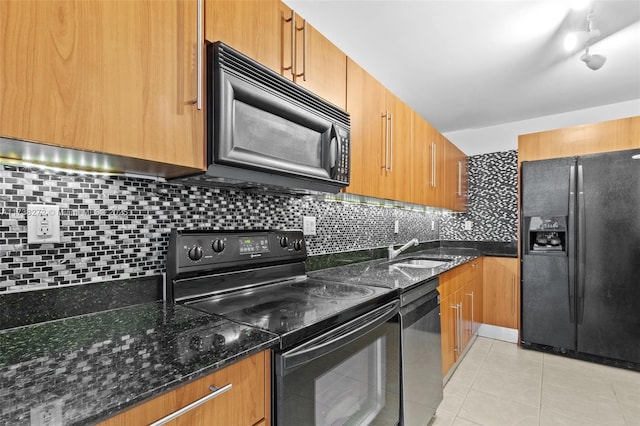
547,234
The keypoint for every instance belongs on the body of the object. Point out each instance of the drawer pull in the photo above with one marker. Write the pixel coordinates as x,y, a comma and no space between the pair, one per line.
214,393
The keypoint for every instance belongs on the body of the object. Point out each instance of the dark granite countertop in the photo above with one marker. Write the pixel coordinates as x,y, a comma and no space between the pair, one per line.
98,364
477,248
485,248
385,273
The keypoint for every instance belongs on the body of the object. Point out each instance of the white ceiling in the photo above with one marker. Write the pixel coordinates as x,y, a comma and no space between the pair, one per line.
472,64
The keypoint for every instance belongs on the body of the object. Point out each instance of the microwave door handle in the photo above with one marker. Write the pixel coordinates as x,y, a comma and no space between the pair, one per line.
336,153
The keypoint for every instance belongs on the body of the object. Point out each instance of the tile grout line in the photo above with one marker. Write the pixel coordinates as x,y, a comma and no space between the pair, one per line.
475,376
541,386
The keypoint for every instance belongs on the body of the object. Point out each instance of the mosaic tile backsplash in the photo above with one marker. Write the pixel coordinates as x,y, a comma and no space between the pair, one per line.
493,201
117,227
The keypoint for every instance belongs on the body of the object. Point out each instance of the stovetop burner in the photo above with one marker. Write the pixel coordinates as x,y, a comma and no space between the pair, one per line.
334,290
288,308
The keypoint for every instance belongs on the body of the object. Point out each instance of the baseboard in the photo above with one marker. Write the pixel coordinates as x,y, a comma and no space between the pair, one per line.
498,333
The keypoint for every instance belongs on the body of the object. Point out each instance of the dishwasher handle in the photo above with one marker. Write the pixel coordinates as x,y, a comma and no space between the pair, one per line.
336,338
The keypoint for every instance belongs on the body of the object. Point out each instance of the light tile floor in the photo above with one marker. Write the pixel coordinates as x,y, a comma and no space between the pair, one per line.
501,384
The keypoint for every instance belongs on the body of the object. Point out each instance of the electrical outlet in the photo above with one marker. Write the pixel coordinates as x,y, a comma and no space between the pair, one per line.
396,227
433,225
309,225
48,414
468,225
43,223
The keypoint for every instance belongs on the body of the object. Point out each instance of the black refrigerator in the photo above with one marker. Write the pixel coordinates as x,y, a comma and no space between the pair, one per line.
580,236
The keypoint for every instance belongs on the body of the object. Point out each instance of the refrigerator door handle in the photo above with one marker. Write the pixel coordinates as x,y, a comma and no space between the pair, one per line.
582,245
571,245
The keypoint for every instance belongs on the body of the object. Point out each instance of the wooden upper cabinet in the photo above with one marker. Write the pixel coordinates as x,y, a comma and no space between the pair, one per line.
399,171
252,27
248,401
116,77
456,178
428,157
318,64
366,105
264,31
381,154
606,136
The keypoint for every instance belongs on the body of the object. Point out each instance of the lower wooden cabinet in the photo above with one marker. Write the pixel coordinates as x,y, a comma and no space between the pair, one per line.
246,403
501,292
460,310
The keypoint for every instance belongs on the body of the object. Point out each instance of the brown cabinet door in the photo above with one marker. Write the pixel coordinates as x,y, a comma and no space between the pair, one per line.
366,105
425,156
464,319
455,185
246,403
606,136
398,174
501,292
116,77
448,325
320,66
477,277
265,31
253,27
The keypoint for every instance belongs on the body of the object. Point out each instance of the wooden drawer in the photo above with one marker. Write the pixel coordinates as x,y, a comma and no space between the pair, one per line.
246,403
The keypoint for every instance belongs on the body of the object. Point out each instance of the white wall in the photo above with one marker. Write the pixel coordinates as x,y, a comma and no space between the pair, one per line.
504,137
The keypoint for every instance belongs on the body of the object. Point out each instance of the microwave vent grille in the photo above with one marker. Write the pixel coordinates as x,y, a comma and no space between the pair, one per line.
246,68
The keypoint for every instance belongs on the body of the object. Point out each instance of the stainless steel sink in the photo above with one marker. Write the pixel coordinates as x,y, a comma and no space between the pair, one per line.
420,262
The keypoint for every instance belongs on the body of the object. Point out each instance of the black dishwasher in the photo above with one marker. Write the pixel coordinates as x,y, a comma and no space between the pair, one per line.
421,353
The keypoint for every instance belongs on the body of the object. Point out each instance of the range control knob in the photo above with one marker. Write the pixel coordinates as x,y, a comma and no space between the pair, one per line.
297,245
218,343
195,344
195,253
284,241
217,246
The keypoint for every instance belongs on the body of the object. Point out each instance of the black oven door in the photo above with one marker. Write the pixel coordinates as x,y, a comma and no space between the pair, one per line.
350,375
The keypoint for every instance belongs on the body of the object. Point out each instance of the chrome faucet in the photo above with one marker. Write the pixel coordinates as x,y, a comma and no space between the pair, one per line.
394,253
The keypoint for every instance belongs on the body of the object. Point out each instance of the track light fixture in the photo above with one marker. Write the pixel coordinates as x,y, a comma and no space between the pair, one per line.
583,39
594,62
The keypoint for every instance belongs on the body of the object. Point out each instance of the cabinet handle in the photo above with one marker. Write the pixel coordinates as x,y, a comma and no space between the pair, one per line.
390,143
460,178
200,46
460,328
471,330
292,19
513,294
214,393
303,74
456,347
386,138
434,164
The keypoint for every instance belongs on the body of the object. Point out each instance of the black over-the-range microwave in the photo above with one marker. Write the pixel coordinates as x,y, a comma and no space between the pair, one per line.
265,129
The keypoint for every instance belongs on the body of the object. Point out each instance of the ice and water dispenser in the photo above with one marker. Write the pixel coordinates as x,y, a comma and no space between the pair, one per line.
546,235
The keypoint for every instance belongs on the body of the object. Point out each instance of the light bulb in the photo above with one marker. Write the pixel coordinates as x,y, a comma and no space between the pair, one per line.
578,39
570,41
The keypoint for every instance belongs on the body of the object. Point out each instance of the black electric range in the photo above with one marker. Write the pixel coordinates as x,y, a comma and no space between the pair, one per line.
258,278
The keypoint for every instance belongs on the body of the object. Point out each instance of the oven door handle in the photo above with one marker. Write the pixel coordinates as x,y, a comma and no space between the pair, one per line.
336,338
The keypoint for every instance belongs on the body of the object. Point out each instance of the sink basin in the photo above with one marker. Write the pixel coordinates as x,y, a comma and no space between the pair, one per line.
420,262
